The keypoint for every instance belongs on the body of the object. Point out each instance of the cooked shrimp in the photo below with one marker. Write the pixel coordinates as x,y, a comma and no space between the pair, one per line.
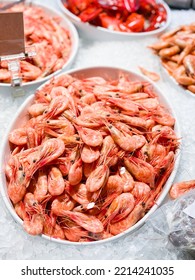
56,182
37,109
141,170
79,193
135,215
178,189
112,189
127,179
120,207
98,178
140,190
125,141
18,136
189,64
29,71
152,75
34,226
167,52
41,186
89,223
90,137
89,154
75,172
61,203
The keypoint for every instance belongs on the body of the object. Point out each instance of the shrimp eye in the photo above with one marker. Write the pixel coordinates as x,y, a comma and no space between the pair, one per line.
23,174
77,138
45,112
119,111
45,94
34,203
20,168
72,161
34,160
110,126
143,204
47,121
108,115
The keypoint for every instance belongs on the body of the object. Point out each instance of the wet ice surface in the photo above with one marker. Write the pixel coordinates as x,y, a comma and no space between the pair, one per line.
150,241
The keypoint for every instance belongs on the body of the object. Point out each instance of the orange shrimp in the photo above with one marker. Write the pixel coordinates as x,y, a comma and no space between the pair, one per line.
79,193
20,210
181,77
163,117
56,182
134,121
17,190
34,226
37,109
89,154
125,141
56,107
88,168
189,63
29,162
152,75
135,215
76,172
112,189
58,232
178,189
141,170
141,207
41,186
98,178
61,203
90,137
125,104
73,232
140,190
18,136
127,179
120,207
89,223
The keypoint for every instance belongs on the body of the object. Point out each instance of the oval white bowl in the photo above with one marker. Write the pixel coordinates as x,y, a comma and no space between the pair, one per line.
22,115
65,22
99,33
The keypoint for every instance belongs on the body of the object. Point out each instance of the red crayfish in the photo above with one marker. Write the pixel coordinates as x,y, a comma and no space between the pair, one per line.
120,15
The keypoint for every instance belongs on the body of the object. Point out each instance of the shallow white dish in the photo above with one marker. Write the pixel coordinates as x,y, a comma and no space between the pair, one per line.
21,116
30,86
100,33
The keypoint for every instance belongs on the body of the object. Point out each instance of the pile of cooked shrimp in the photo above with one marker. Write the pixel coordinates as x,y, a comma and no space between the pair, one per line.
177,52
92,158
52,43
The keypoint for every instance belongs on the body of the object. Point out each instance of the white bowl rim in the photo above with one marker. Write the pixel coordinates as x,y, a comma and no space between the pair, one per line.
74,48
76,19
153,208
